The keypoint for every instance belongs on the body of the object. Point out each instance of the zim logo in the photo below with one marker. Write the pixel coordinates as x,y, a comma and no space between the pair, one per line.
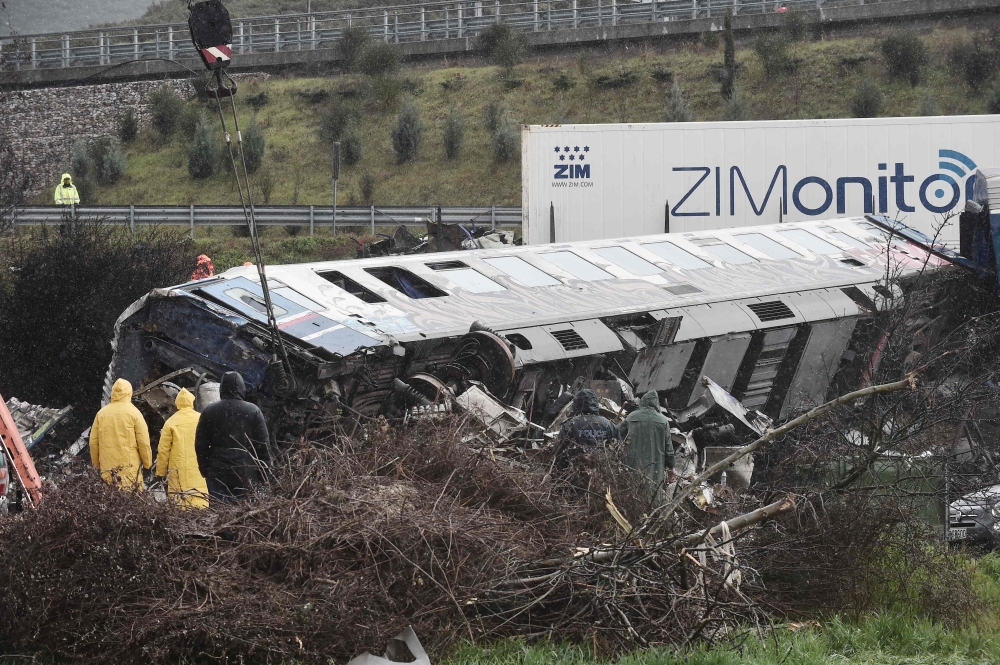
572,164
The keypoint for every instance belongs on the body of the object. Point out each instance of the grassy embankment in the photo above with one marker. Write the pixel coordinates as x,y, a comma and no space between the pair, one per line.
554,88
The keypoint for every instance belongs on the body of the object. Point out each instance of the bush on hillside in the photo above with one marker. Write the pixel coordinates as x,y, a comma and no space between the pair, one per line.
203,153
772,49
493,115
867,101
367,187
379,59
127,124
84,172
905,55
335,119
504,46
677,109
454,133
736,108
506,142
975,60
353,41
408,133
350,145
108,160
254,146
165,108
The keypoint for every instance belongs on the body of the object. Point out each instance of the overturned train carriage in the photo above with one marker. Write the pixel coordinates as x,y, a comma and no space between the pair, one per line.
774,314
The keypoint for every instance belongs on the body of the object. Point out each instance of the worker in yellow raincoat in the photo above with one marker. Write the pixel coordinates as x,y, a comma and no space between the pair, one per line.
66,192
119,440
175,458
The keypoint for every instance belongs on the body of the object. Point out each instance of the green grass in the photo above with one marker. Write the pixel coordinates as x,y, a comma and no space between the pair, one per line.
299,162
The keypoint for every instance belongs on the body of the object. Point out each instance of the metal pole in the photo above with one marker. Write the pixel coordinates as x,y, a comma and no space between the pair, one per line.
100,48
192,221
312,32
493,218
312,224
459,9
600,14
277,36
34,54
395,26
548,15
385,26
575,21
336,177
131,219
535,11
65,40
447,27
242,46
497,10
423,23
373,219
170,42
135,43
334,206
666,217
614,12
552,222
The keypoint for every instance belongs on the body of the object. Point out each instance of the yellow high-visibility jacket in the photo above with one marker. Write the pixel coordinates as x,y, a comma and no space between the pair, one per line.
119,440
67,195
175,457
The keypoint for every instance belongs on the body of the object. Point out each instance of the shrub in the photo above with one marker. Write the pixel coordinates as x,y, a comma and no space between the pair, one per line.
493,115
254,146
867,101
353,41
386,92
793,25
506,141
503,46
265,183
562,82
84,172
335,120
454,133
905,55
772,49
313,97
677,109
367,187
350,145
736,107
615,80
975,60
408,133
189,119
128,125
927,106
165,107
203,153
662,74
728,77
378,59
258,101
108,160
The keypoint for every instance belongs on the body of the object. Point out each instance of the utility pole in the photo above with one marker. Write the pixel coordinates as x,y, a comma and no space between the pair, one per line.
336,177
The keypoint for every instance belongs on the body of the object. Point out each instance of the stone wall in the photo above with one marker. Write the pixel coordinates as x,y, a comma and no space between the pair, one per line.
44,124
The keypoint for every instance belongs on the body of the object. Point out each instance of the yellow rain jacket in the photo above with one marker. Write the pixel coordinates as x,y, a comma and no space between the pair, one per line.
119,440
67,195
175,458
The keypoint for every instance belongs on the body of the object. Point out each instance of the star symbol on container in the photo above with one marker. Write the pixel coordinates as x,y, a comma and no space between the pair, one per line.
562,158
566,149
586,148
576,148
581,158
557,148
571,158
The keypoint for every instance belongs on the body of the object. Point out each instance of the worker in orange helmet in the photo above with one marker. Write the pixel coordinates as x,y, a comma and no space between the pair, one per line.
205,269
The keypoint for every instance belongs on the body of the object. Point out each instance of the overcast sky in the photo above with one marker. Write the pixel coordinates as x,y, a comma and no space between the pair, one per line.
29,16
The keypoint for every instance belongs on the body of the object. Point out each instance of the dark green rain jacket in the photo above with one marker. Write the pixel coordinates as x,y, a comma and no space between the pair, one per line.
646,433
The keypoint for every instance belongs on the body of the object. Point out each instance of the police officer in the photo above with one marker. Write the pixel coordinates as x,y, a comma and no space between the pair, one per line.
586,431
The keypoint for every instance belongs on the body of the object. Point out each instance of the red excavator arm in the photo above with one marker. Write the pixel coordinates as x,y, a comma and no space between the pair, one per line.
17,452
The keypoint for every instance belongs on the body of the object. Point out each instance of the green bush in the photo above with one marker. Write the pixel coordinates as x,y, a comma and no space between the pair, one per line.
504,46
84,172
350,145
454,133
189,118
108,160
378,59
736,107
353,41
408,133
793,25
493,115
867,101
677,109
772,49
367,187
165,108
975,60
622,78
203,153
335,120
254,146
506,142
128,125
562,82
905,55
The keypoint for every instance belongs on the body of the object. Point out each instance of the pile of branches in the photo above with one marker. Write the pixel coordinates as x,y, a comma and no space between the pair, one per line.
358,538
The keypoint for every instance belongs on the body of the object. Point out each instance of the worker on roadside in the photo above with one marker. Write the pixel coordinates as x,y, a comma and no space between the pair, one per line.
648,448
119,440
66,193
586,431
176,459
204,269
231,442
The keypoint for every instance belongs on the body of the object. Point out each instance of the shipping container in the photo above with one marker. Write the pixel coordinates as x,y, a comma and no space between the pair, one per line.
589,182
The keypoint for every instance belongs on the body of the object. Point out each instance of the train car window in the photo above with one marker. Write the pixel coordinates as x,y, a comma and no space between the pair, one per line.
810,241
472,280
728,253
576,266
849,240
406,282
681,258
768,246
345,283
623,258
522,271
255,301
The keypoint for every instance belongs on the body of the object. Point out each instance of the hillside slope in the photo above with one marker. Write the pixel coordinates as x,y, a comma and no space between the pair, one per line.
557,88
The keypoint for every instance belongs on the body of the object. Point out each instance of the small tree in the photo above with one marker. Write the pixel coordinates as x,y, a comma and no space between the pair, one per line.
108,160
379,59
335,120
506,141
408,133
165,107
975,60
905,55
128,125
728,58
867,101
772,49
493,115
736,107
84,172
454,133
353,41
367,187
203,153
677,109
350,145
254,146
504,46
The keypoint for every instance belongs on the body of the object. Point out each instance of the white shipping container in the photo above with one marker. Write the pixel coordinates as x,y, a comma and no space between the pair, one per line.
619,180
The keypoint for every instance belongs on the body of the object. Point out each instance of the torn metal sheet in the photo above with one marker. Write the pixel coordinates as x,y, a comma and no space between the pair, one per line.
34,422
733,406
502,420
404,648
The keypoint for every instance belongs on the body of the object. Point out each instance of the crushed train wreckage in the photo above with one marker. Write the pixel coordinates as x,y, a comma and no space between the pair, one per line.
775,316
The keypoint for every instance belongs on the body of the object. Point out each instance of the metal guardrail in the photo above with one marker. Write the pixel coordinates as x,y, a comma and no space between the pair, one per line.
193,216
402,23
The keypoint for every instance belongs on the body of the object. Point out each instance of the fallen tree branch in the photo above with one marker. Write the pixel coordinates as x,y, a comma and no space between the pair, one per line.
741,521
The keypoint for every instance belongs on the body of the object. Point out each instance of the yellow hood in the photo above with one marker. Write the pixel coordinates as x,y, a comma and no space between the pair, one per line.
63,178
121,391
185,400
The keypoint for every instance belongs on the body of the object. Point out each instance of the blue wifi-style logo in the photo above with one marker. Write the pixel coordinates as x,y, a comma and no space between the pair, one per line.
954,161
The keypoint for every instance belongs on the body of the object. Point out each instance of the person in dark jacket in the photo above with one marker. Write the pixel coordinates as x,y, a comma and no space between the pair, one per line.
646,433
587,429
231,442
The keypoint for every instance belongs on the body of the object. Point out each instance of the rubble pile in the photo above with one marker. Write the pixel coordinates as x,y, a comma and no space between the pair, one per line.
358,538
